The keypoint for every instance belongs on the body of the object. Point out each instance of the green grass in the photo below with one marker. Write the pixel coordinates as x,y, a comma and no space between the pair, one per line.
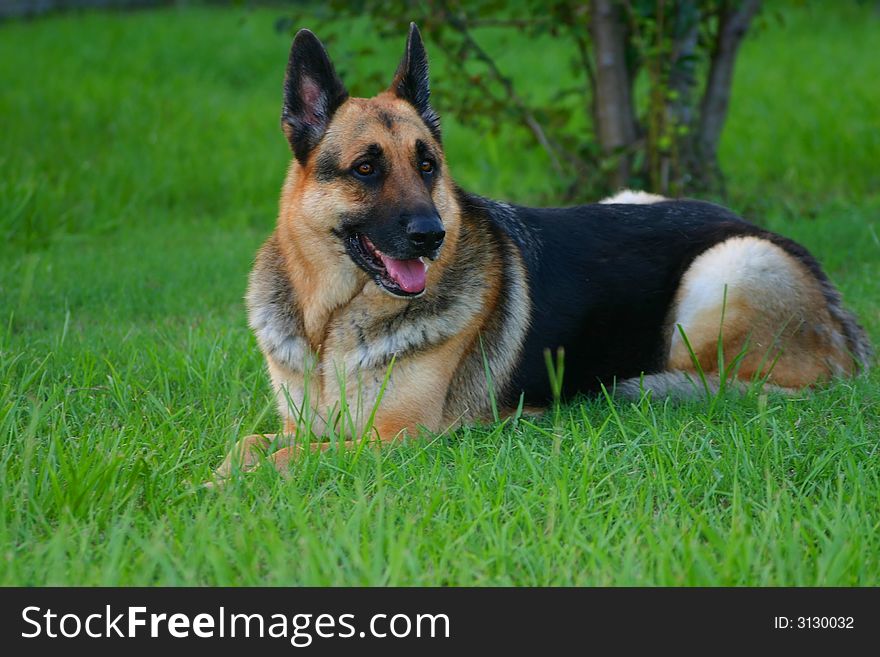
140,160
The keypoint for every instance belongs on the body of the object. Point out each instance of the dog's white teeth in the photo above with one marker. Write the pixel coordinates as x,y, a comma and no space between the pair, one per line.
369,244
424,261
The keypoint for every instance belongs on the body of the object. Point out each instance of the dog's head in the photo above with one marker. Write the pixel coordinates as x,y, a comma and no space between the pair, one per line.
371,172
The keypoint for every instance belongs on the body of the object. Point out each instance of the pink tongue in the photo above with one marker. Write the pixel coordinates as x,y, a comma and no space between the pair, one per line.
408,274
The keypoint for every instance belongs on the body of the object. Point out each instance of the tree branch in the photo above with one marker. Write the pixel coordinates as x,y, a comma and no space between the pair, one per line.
733,23
615,114
587,64
461,26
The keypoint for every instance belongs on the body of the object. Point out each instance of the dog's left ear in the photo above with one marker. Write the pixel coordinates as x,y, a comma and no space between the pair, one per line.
411,80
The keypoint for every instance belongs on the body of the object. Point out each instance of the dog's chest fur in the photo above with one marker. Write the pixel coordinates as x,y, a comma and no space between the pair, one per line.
363,336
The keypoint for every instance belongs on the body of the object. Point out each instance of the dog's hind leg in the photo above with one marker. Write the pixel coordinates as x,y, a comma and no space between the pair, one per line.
764,309
747,310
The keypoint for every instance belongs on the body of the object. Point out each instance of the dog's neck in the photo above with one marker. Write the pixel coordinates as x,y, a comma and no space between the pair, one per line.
319,287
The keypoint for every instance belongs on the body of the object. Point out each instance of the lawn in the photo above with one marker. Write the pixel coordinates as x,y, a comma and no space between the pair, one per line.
140,161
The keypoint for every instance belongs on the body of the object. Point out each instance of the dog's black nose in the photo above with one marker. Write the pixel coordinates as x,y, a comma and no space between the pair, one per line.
425,233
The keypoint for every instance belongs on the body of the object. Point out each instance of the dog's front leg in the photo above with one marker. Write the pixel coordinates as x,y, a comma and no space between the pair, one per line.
247,453
243,457
413,400
384,433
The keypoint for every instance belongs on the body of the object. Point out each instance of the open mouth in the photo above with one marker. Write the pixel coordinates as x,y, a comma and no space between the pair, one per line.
401,278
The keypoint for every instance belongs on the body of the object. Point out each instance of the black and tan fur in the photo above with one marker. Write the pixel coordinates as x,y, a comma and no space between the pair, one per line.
609,282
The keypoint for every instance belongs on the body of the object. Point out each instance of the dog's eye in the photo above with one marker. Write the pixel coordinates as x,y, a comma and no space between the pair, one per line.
426,166
364,169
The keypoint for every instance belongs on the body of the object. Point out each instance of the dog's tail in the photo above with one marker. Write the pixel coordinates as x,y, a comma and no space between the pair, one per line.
682,386
857,343
857,340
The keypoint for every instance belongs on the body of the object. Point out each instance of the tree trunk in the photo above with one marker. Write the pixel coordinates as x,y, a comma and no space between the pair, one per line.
614,112
733,23
680,112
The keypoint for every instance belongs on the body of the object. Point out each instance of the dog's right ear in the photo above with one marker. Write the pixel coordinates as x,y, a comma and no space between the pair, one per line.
312,93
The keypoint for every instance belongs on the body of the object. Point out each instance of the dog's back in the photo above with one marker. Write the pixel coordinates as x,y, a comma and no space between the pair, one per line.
612,284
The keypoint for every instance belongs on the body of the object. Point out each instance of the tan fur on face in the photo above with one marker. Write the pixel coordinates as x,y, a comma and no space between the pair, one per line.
774,309
323,275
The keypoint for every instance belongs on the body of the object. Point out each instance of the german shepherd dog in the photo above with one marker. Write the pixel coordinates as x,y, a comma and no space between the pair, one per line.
390,296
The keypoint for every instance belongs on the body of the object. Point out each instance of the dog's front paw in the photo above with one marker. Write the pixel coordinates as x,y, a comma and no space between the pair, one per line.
244,457
284,458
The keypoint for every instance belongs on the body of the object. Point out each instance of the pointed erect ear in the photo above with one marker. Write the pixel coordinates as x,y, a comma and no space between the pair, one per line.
312,93
411,80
